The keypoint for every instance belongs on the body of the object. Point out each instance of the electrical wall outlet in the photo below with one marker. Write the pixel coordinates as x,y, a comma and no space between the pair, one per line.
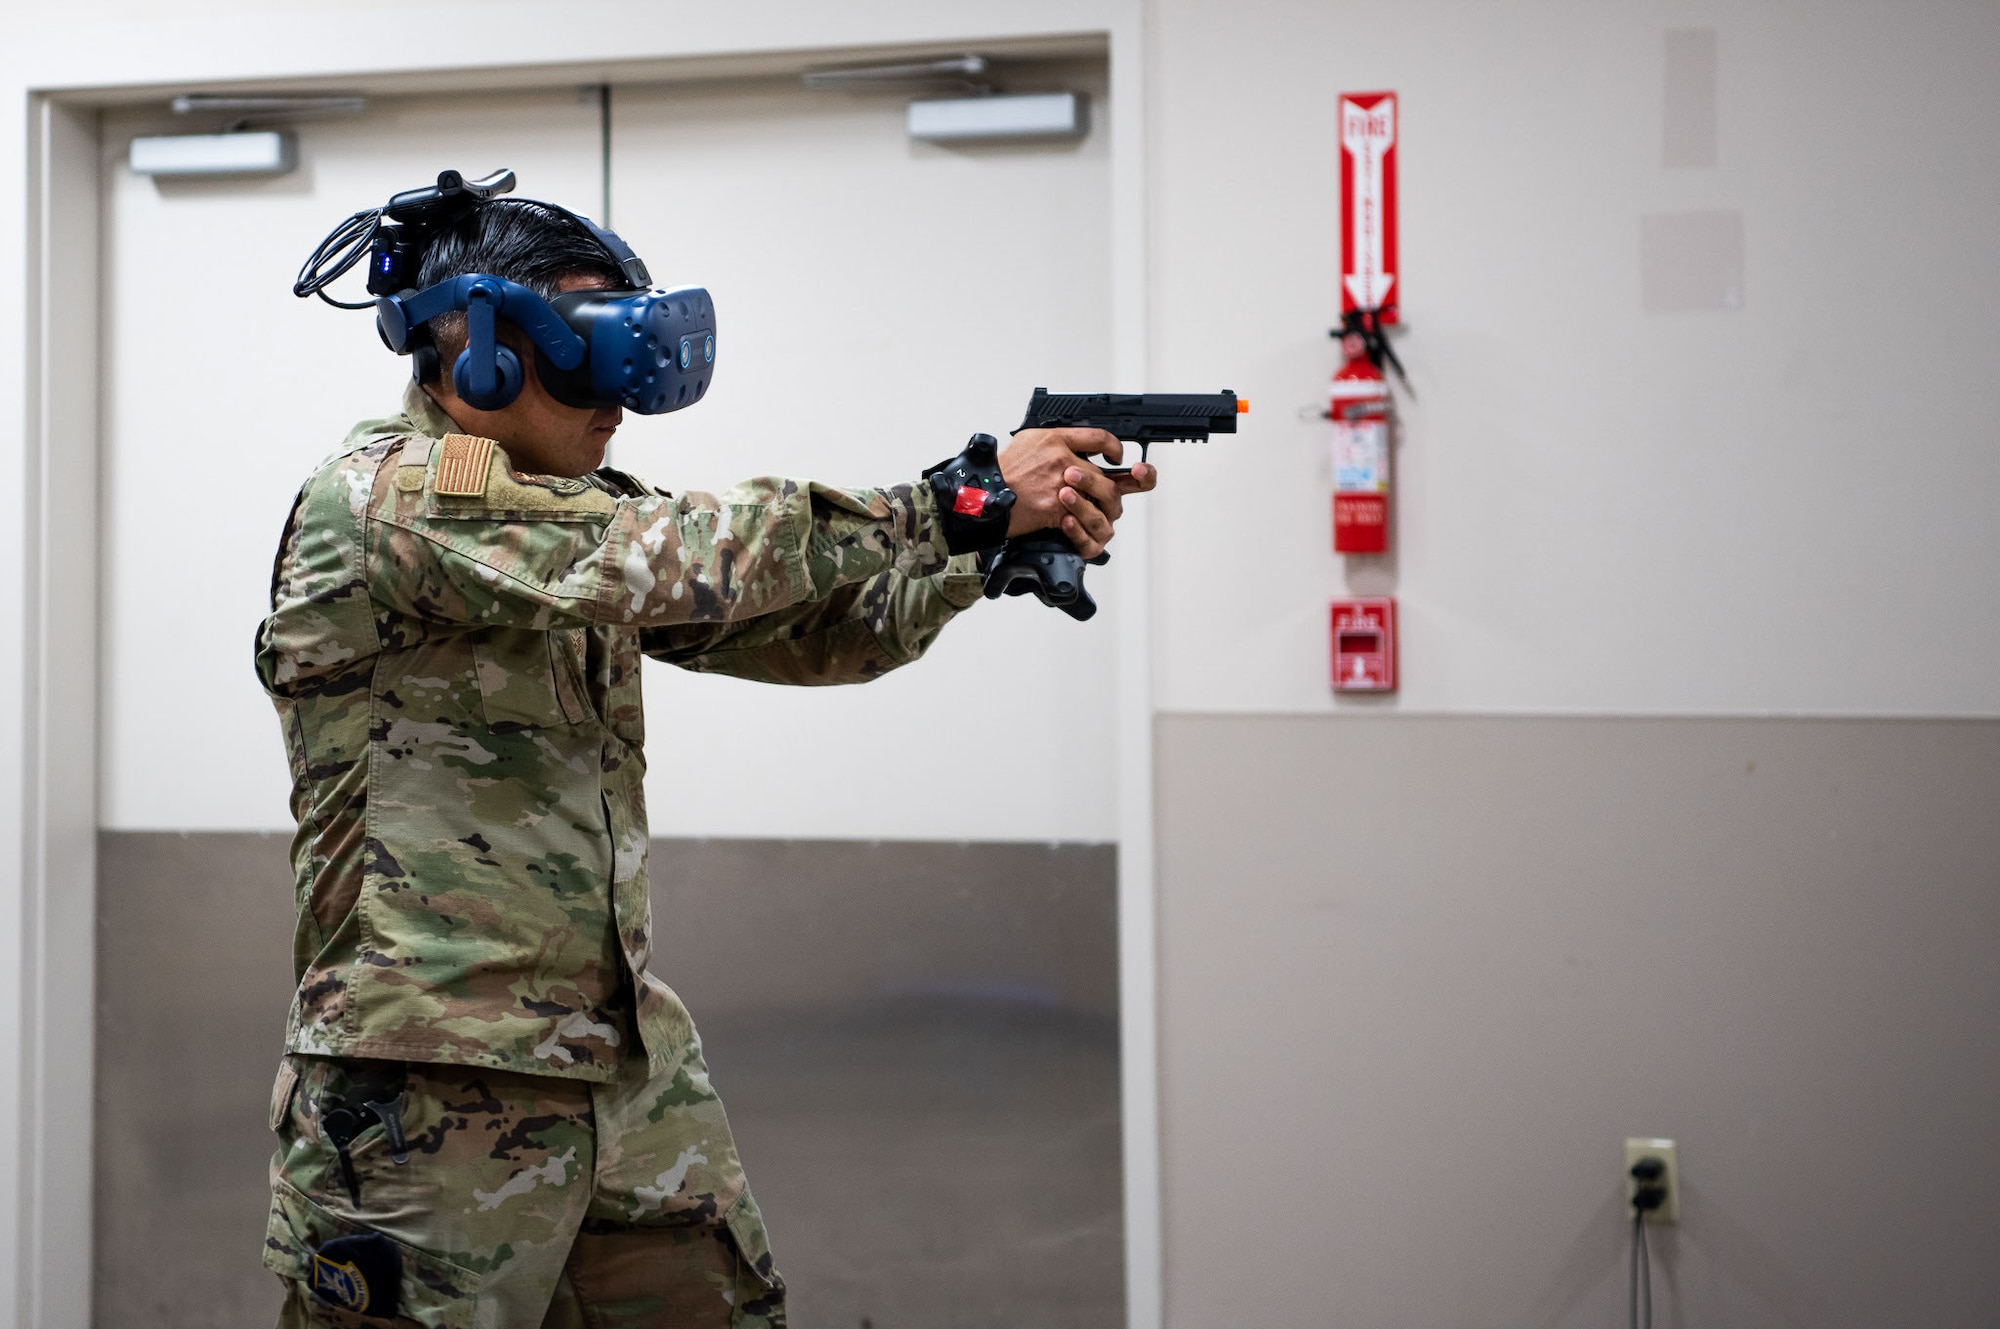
1636,1149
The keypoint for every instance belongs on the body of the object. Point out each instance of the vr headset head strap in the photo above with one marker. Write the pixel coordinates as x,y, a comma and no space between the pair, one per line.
629,264
400,317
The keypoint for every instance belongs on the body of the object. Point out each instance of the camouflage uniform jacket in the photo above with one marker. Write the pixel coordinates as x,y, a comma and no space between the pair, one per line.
453,648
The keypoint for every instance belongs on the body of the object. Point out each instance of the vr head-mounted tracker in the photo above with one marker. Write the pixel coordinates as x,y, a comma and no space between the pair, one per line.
645,348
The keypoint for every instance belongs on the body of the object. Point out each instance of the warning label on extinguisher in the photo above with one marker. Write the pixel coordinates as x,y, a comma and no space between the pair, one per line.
1358,405
1361,456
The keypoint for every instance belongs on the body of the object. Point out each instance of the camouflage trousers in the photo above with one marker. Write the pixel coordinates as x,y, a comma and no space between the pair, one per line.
523,1200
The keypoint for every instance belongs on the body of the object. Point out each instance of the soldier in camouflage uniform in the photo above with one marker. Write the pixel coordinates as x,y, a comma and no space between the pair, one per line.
490,1114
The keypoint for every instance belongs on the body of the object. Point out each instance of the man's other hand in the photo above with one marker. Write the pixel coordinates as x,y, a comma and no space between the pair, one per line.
1054,486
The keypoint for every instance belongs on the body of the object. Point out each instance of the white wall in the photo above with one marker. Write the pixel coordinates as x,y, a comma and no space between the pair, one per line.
1419,976
1783,508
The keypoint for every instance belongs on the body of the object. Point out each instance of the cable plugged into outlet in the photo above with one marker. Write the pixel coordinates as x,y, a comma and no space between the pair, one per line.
1653,1180
1652,1195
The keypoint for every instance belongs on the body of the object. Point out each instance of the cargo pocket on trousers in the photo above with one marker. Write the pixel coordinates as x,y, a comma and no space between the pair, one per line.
429,1289
760,1289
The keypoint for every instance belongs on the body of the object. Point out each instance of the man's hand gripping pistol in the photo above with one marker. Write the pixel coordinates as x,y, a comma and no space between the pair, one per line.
1045,563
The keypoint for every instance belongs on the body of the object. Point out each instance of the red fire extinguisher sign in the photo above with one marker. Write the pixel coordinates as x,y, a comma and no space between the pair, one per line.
1370,290
1370,277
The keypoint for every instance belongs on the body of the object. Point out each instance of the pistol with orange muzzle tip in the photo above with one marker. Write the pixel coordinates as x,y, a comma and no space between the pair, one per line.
1044,563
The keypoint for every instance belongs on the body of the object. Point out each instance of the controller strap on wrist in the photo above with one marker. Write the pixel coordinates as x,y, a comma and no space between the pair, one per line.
974,502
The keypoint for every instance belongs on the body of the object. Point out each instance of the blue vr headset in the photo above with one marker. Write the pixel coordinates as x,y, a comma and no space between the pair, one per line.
647,349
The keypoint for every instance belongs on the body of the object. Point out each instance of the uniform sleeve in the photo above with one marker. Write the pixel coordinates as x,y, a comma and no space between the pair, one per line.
459,536
859,632
322,625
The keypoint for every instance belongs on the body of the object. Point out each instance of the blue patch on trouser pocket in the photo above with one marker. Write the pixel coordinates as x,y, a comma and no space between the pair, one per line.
363,1274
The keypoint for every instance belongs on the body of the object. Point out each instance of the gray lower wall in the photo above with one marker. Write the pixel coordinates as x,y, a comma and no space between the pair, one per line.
917,1043
744,926
194,971
1421,977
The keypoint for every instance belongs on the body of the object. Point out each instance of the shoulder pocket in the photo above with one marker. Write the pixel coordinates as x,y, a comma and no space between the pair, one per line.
432,1290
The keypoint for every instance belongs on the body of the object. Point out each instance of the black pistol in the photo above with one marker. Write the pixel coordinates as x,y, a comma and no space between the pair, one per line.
1045,562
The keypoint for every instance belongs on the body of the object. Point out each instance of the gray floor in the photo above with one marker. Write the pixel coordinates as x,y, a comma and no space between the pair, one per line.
917,1045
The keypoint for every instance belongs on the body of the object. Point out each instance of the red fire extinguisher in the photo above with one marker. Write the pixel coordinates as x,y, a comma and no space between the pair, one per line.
1358,405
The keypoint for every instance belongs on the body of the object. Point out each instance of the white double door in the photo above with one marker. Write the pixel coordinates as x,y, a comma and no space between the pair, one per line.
878,300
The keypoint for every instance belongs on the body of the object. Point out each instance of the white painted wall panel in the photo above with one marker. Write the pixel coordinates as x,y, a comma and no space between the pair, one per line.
222,393
1784,508
878,301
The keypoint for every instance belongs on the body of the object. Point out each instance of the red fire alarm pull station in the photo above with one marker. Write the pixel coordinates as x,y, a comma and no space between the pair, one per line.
1364,645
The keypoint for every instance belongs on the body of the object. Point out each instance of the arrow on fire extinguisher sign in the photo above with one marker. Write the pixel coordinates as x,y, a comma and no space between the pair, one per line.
1369,274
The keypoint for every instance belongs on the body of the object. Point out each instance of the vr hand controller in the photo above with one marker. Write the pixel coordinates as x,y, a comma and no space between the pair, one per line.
644,348
1045,563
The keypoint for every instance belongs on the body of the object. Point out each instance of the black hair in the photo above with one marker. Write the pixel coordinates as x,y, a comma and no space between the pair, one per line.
517,240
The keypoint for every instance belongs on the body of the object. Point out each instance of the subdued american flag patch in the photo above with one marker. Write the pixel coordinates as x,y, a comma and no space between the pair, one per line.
462,462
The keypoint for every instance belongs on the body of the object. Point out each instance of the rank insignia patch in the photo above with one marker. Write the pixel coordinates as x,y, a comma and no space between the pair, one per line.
361,1274
461,468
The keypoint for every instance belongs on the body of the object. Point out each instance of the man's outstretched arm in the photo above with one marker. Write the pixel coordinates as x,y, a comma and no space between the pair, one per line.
473,542
858,633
